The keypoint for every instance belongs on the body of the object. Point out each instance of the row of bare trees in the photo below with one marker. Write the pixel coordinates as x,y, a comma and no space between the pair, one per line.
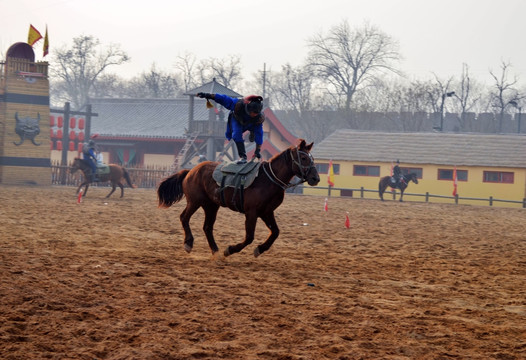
346,69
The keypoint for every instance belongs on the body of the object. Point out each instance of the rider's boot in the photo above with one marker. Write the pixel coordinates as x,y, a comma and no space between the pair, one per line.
242,153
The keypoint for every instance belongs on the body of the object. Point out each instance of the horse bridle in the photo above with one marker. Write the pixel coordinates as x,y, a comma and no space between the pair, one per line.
304,170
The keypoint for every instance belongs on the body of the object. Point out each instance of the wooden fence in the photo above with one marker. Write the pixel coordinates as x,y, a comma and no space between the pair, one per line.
361,191
147,177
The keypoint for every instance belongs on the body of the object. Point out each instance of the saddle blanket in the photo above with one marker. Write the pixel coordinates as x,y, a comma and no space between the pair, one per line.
103,169
236,175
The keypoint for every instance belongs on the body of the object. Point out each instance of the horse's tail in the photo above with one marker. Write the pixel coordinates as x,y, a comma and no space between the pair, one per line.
128,179
170,190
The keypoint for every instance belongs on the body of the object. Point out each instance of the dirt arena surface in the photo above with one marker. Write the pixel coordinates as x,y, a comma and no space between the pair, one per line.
109,279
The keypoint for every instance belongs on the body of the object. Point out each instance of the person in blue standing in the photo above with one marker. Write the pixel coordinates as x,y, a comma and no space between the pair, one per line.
88,154
245,115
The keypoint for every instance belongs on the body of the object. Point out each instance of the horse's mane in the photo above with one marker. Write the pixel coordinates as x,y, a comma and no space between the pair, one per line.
283,153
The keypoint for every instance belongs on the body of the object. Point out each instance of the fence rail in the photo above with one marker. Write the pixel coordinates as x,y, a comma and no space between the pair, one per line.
148,177
151,176
491,200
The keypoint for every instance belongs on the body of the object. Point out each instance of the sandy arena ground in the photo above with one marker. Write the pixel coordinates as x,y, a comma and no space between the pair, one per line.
109,279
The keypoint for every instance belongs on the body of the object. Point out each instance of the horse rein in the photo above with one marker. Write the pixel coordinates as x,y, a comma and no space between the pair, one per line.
304,170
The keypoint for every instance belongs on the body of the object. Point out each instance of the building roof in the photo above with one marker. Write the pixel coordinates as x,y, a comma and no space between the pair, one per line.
213,87
494,150
144,118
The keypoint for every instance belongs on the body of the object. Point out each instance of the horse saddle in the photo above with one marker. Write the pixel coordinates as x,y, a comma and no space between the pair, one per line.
237,176
103,169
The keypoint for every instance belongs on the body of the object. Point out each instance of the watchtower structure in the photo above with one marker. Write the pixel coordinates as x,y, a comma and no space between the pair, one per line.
24,118
207,137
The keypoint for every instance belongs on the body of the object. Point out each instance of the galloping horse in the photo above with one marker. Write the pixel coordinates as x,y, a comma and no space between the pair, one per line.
116,174
385,182
260,199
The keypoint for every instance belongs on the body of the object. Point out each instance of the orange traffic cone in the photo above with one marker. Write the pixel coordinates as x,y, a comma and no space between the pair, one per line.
347,221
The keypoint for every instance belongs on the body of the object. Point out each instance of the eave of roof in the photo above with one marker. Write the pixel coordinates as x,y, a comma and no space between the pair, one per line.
496,150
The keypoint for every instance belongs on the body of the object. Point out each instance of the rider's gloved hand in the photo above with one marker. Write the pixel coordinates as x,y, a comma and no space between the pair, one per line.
204,95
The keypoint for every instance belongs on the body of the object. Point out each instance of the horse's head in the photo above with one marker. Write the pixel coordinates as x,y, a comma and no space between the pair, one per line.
75,166
303,163
413,178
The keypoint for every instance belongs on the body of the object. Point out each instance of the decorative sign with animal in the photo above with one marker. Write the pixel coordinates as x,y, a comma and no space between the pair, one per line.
27,128
258,200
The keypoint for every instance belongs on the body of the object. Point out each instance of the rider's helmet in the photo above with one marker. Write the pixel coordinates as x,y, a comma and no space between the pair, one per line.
91,143
253,105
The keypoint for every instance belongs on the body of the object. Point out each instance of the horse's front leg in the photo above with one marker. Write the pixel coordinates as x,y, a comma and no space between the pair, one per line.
401,195
250,228
85,187
185,221
208,227
270,221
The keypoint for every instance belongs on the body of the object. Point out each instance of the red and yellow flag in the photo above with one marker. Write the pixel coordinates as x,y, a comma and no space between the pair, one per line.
330,178
33,36
455,181
46,44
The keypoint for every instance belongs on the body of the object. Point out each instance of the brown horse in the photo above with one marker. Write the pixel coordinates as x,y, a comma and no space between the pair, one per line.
260,199
116,175
385,182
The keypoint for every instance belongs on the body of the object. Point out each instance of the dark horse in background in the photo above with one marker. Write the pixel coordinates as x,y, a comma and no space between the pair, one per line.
260,199
116,175
386,182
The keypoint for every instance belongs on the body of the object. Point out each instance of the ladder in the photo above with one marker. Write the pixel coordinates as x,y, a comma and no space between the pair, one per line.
179,159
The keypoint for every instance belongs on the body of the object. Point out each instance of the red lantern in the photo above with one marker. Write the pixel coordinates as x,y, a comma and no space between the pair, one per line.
59,133
60,121
72,135
81,136
72,122
71,146
79,148
59,145
51,144
51,133
81,124
51,120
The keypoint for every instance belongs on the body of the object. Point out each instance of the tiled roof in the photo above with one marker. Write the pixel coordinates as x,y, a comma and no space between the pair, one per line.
151,118
213,87
495,150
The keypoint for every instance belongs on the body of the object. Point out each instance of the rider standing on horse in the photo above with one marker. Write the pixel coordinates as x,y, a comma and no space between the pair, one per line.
397,174
88,153
245,114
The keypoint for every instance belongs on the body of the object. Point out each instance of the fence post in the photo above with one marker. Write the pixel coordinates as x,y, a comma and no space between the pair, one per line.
329,193
394,194
524,203
491,201
456,199
427,196
361,192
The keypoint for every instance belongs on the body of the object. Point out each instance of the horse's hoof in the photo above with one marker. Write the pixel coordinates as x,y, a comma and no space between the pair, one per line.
256,251
227,251
187,248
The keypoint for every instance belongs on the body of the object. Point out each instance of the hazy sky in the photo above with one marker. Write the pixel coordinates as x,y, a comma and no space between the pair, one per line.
434,36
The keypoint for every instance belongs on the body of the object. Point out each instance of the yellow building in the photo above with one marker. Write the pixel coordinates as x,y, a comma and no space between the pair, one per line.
489,166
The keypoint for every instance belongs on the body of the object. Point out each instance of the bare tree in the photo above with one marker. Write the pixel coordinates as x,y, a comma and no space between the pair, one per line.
348,59
186,64
291,88
467,95
504,92
78,68
227,71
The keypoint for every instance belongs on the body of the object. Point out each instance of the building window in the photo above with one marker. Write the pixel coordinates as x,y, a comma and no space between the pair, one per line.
409,170
498,177
366,170
447,174
324,168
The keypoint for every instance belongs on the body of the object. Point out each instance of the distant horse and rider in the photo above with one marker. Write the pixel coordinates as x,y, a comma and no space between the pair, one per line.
401,184
115,174
257,200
